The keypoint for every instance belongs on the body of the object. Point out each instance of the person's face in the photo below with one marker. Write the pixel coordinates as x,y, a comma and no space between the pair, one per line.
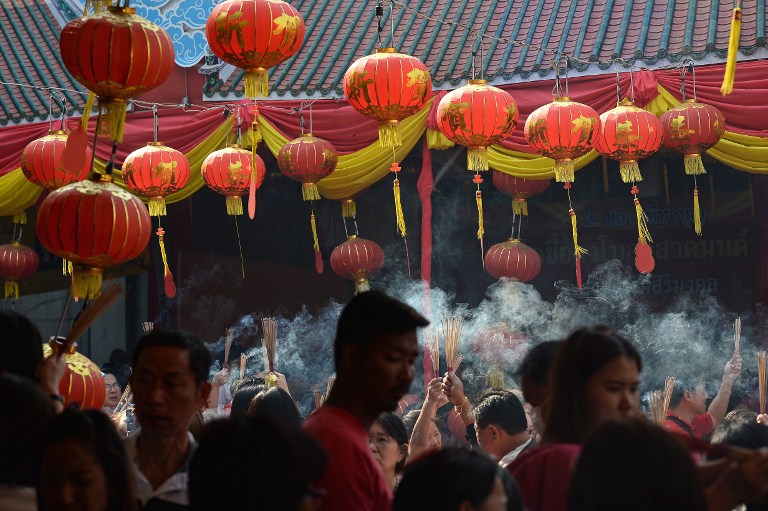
496,500
699,398
384,448
113,391
72,480
612,392
384,371
486,439
435,438
164,391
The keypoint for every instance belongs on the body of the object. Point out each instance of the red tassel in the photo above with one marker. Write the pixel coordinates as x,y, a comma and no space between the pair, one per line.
578,272
169,285
252,199
319,267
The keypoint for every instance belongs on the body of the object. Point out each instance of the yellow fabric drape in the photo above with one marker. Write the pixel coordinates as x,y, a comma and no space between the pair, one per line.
530,166
17,193
357,171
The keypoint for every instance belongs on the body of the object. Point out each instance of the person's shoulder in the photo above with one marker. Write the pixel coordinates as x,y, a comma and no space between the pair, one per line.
542,455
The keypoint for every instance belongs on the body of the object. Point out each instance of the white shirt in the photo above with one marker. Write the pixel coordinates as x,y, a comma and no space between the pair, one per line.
174,489
510,456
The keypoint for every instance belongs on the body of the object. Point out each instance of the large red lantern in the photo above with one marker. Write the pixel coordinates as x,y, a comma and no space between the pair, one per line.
519,189
155,171
514,260
388,87
17,262
41,162
562,130
93,224
307,159
229,172
356,259
254,35
498,346
476,116
117,55
628,134
692,128
82,383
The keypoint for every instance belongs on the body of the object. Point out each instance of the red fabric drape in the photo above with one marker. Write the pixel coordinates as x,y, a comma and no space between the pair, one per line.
14,139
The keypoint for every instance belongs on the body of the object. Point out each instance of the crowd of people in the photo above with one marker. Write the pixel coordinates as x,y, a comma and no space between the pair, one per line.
572,436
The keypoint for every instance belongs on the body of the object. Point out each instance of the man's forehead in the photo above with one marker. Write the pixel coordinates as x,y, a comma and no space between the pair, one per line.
170,357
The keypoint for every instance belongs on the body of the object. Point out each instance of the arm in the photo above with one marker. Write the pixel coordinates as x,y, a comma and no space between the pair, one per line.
420,436
719,404
218,380
51,372
453,388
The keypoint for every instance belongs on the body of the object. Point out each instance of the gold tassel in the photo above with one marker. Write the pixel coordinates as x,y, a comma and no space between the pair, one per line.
480,227
86,282
270,380
477,159
733,50
362,285
20,218
605,175
114,118
87,112
564,171
693,165
348,208
316,244
696,211
256,83
389,134
169,285
578,251
520,206
157,206
630,171
642,224
66,267
12,289
399,208
234,205
310,192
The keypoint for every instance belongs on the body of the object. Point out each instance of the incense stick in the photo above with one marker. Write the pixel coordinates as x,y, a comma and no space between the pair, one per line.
124,399
243,361
329,386
656,404
669,386
93,311
432,347
736,334
451,334
228,346
319,398
269,325
147,327
761,379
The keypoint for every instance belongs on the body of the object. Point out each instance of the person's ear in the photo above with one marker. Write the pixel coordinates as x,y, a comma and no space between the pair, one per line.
350,358
203,391
403,452
493,431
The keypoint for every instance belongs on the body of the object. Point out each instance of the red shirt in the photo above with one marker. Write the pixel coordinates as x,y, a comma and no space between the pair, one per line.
701,427
543,475
353,478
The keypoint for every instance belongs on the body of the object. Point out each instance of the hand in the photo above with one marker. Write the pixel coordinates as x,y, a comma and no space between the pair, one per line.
763,419
754,470
732,368
435,395
453,388
51,371
282,382
220,378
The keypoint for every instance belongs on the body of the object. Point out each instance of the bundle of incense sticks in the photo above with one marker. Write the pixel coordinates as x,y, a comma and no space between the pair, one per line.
92,311
269,325
432,347
125,400
228,346
147,327
243,362
329,386
319,398
761,379
451,335
736,335
669,386
659,401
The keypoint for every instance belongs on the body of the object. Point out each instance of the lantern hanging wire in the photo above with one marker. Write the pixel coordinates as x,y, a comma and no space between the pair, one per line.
155,123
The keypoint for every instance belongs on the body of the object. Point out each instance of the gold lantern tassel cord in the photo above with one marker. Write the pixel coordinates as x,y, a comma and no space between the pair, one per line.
693,165
696,209
398,205
12,289
20,218
114,119
316,245
644,235
157,206
256,83
389,134
240,247
86,282
578,251
564,171
169,285
733,49
630,171
66,267
480,226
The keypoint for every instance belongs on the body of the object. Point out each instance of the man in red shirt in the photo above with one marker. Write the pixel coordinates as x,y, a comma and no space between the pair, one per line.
688,413
374,352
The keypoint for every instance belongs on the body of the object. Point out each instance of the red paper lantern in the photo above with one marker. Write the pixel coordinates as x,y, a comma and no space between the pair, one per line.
692,128
307,159
155,171
254,35
17,262
628,134
498,346
229,171
356,259
94,224
476,116
117,55
514,260
82,383
388,87
562,130
519,189
41,162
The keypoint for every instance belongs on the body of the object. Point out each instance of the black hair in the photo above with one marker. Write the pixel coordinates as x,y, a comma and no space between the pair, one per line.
372,314
395,428
242,397
277,404
199,356
537,363
20,343
24,410
503,409
582,355
448,477
634,465
275,465
96,432
681,386
741,429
